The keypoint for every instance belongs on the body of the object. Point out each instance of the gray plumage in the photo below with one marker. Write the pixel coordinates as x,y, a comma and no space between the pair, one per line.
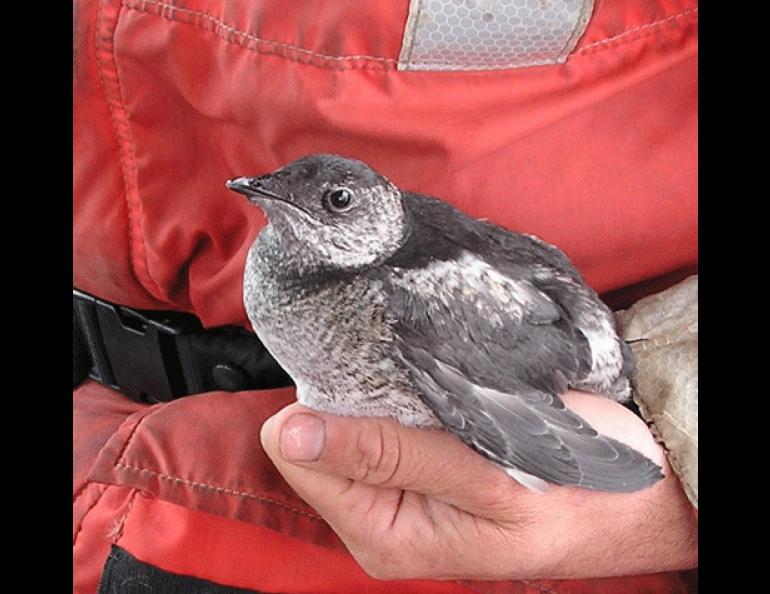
380,302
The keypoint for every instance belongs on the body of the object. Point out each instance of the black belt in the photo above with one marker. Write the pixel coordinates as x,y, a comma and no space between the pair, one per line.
157,356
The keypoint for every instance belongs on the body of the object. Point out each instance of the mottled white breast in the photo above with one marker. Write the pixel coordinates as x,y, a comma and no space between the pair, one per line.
332,339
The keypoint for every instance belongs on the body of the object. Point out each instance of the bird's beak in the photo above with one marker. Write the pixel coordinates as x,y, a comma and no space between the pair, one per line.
240,184
254,187
266,186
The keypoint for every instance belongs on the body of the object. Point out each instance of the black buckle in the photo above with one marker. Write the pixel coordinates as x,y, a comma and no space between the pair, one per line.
134,351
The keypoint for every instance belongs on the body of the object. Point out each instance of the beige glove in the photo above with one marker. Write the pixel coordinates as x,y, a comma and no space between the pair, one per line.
665,328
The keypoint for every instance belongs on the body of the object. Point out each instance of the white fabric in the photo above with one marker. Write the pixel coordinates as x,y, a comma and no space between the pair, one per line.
491,34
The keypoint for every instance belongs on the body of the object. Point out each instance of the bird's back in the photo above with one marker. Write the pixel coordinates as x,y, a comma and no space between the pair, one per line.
493,327
438,232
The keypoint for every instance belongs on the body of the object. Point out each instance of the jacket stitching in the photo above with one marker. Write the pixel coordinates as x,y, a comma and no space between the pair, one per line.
413,32
113,119
218,489
113,94
117,532
280,49
654,25
277,48
121,455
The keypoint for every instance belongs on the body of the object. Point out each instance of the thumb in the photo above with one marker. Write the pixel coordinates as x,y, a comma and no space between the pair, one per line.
339,463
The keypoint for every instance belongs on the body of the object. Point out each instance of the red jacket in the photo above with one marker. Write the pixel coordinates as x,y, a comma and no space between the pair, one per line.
596,155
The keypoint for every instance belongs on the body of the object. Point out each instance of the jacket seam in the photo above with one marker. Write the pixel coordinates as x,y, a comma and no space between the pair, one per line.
217,488
129,440
284,50
651,28
107,71
120,525
117,532
280,49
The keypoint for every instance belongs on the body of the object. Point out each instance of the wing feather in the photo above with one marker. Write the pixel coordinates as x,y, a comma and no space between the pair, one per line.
490,348
496,384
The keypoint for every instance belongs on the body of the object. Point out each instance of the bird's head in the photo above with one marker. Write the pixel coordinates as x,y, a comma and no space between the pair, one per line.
329,210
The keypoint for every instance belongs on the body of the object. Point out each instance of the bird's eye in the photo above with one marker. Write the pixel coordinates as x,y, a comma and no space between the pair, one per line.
338,200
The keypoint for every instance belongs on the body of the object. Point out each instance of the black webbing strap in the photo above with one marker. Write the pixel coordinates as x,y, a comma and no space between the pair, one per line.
157,356
125,574
81,358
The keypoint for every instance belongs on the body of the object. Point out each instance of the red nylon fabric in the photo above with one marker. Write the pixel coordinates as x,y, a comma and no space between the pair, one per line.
597,155
271,564
162,488
95,420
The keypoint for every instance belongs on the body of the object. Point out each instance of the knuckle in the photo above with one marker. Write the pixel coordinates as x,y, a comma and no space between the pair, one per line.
378,454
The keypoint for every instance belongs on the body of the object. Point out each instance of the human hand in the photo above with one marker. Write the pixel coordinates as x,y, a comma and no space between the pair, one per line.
418,503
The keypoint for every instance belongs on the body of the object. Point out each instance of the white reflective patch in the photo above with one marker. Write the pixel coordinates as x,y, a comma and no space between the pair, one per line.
491,34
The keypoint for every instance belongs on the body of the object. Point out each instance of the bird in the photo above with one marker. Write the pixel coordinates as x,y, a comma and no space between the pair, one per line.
380,302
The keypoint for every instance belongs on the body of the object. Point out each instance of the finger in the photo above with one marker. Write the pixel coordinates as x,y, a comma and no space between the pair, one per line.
325,456
384,528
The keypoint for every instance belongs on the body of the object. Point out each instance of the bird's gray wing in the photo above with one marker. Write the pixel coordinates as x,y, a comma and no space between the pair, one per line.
490,355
